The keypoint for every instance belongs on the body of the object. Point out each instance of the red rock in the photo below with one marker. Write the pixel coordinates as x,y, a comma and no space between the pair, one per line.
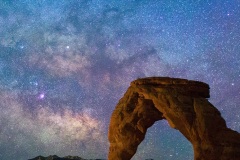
184,105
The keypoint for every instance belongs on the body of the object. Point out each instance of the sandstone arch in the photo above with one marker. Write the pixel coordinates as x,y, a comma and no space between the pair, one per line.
184,105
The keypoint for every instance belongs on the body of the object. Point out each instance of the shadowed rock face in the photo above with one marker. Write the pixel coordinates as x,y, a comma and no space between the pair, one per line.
184,105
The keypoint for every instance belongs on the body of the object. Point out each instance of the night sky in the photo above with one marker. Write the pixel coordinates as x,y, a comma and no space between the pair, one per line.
64,64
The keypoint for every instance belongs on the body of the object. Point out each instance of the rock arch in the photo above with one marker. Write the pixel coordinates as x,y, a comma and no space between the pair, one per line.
184,105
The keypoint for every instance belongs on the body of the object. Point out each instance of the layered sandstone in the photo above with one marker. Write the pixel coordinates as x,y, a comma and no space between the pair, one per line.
184,105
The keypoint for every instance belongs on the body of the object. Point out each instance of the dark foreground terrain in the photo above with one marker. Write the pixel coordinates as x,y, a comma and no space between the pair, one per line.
54,157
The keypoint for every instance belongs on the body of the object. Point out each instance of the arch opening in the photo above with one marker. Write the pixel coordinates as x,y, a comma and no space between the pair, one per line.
163,142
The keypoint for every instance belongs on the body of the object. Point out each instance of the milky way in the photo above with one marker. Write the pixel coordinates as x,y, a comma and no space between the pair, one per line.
65,64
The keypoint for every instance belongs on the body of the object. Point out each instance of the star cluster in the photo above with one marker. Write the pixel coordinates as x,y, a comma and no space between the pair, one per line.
65,64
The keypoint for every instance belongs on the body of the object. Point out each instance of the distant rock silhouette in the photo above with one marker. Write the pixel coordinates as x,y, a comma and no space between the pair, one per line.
184,105
54,157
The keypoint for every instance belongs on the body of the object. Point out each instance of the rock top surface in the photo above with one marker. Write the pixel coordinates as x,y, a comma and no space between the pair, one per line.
184,86
167,81
184,105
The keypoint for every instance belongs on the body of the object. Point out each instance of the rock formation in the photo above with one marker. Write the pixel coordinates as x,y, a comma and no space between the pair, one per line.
184,105
55,157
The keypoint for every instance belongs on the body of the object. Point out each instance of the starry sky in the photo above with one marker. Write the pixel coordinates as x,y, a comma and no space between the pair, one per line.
64,64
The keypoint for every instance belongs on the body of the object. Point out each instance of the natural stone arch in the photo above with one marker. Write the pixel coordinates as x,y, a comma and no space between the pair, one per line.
184,105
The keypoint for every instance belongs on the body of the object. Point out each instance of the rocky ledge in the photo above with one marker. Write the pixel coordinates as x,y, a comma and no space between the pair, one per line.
184,105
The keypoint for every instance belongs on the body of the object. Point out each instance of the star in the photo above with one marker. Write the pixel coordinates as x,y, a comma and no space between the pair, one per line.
41,96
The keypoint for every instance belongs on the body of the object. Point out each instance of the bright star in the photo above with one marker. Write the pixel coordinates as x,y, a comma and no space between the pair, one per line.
41,96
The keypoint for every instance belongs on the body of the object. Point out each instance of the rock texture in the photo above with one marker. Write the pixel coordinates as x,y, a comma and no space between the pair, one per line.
184,105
